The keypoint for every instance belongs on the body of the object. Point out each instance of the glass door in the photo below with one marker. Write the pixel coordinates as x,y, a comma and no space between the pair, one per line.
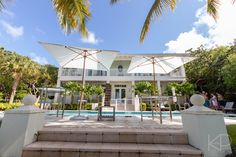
120,93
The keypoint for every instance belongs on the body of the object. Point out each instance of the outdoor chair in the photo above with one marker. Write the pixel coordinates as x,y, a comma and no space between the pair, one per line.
107,112
183,106
229,107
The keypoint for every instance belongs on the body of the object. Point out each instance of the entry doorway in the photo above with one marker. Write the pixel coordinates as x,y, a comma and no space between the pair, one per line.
120,93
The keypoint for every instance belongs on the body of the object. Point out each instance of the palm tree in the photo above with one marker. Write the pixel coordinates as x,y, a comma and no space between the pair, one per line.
73,15
19,68
160,5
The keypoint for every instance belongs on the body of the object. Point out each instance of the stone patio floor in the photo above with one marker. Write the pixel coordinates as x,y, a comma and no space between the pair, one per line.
121,122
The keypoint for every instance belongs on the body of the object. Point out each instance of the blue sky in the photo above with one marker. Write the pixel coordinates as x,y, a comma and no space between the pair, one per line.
117,27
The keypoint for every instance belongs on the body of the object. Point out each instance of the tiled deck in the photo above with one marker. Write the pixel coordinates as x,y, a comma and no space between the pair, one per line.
121,122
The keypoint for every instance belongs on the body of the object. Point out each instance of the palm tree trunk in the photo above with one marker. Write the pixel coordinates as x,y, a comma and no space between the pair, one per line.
14,87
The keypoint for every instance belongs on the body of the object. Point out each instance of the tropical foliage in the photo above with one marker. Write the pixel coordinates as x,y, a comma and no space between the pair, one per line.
213,70
181,89
20,75
144,88
89,90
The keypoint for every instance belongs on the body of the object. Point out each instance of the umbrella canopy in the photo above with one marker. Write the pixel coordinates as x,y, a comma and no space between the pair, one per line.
157,65
73,57
76,57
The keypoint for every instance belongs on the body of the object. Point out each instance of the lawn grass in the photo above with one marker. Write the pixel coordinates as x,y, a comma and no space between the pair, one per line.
232,134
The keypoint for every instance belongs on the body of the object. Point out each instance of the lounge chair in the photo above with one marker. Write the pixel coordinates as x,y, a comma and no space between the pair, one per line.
183,106
107,112
229,107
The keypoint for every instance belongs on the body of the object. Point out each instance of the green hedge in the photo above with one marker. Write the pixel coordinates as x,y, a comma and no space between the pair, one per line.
7,106
86,106
143,107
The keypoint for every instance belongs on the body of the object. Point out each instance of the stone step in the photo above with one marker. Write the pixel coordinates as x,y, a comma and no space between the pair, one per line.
139,136
76,149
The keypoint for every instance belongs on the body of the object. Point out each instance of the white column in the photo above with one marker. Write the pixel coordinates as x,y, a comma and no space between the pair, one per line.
133,92
136,103
19,127
59,77
183,74
56,96
206,129
159,87
125,104
116,104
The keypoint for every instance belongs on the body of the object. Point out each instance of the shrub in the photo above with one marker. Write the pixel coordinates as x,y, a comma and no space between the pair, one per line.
7,106
87,106
56,106
173,107
143,107
149,107
71,106
99,104
1,95
21,94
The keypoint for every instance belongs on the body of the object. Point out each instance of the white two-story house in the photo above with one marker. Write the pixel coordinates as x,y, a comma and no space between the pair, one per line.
118,83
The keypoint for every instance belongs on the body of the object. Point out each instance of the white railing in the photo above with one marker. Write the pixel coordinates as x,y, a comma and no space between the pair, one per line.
78,72
114,72
122,103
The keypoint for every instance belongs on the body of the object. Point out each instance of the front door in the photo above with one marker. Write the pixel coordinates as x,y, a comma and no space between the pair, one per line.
120,93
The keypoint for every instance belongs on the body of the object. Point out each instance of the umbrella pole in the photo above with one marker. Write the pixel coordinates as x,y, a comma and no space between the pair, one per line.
154,82
154,91
83,84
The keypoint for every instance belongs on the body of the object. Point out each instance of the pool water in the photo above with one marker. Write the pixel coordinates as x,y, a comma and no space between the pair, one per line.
118,113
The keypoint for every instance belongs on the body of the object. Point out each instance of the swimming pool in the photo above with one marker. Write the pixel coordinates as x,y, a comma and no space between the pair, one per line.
118,113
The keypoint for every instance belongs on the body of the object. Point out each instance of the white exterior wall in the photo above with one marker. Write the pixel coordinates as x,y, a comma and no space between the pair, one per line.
128,88
114,76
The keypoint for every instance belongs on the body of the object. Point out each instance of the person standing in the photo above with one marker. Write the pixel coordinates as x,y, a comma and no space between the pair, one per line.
214,102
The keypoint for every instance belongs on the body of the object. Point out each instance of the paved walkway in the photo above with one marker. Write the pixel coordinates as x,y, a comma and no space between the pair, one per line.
120,122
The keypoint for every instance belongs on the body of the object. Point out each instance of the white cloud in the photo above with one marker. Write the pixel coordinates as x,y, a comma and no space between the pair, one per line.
14,31
186,41
8,13
203,18
223,31
39,30
39,59
92,39
220,32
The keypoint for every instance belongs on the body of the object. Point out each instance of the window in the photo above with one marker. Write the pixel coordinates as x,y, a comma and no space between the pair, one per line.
120,68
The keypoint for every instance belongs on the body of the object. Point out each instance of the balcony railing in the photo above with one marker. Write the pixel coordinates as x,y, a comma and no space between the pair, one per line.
114,72
78,72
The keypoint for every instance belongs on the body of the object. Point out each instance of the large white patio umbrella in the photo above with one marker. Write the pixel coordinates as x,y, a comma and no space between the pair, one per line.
157,65
76,57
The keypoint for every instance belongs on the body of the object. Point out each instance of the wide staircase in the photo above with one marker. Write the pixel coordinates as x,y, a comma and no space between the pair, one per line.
90,142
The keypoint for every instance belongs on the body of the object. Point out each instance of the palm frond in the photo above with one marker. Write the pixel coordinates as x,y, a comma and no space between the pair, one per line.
212,7
73,15
114,1
1,5
156,10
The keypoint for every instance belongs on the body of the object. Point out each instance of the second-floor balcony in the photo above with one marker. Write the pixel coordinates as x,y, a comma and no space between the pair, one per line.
114,72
